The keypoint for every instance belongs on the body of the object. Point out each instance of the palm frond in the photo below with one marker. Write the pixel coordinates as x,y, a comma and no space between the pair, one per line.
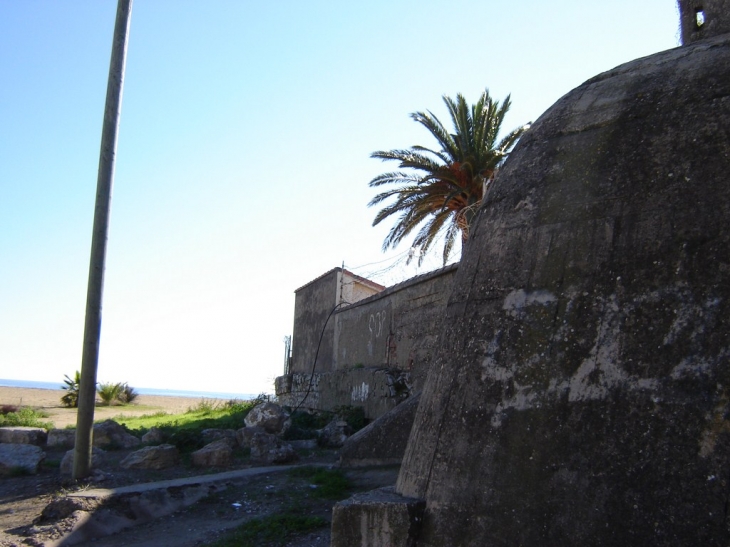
444,186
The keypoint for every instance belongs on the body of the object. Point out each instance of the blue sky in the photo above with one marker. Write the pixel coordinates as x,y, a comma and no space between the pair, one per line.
243,158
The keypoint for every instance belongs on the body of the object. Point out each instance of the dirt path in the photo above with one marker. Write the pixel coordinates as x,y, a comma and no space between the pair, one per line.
233,503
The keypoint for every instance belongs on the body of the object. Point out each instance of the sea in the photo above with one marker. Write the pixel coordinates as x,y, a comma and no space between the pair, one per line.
140,390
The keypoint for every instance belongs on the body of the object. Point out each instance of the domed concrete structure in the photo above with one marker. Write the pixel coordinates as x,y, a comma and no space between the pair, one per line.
581,395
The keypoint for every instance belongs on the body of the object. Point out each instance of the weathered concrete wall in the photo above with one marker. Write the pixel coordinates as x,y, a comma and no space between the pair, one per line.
379,518
376,390
312,305
397,328
375,352
382,442
581,393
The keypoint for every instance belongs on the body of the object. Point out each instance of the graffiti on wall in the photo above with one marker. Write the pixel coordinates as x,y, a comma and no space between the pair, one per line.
376,324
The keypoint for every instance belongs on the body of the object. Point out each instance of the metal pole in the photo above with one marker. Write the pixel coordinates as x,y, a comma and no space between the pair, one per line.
92,325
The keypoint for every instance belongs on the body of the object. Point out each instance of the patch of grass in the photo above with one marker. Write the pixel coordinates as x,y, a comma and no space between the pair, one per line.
271,531
332,484
25,417
185,430
204,407
18,471
52,463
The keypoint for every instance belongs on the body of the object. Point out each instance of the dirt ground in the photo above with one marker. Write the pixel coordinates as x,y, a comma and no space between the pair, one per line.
23,499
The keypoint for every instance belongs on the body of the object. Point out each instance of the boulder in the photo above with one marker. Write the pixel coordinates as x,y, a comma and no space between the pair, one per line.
216,454
61,438
211,435
25,457
268,448
153,436
334,434
272,417
98,458
152,457
384,441
23,435
109,434
245,434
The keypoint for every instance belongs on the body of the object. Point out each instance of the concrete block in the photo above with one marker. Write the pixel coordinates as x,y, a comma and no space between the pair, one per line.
379,518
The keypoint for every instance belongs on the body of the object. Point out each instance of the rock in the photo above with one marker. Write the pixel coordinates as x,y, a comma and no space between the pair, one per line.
153,436
61,438
109,434
334,434
273,418
211,435
303,444
23,435
244,435
62,508
382,442
216,454
98,458
152,457
25,457
268,448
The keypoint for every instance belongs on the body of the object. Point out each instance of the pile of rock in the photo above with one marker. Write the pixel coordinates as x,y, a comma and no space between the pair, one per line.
22,448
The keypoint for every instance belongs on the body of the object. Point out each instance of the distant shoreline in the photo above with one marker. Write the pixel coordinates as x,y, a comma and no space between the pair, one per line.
29,384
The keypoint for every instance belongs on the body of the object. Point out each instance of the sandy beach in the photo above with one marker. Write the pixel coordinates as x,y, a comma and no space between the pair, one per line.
49,400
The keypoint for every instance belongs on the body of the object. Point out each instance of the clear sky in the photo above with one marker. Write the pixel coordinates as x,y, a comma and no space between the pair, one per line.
243,158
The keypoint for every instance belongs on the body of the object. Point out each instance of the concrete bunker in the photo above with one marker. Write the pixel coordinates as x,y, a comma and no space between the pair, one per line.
580,394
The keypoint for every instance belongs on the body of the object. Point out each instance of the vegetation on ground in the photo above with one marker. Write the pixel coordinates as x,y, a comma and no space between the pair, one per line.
444,187
185,430
332,484
270,531
23,417
71,386
295,516
110,393
119,393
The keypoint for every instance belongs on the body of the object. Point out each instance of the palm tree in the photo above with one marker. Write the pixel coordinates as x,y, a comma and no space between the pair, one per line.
446,186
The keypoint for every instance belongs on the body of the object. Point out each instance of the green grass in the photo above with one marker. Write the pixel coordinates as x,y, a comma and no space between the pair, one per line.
184,430
25,417
332,484
271,531
293,519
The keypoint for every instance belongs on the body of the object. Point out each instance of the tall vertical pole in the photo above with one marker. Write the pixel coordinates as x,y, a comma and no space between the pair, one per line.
92,325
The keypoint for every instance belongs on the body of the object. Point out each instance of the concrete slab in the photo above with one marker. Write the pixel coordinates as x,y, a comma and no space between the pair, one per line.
104,493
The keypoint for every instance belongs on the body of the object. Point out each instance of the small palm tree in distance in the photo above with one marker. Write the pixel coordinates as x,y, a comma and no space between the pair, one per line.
444,187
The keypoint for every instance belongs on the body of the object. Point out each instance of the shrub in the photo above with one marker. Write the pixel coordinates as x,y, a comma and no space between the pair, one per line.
71,386
116,393
127,394
25,417
109,392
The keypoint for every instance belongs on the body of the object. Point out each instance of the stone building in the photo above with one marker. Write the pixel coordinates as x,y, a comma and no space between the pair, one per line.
357,343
